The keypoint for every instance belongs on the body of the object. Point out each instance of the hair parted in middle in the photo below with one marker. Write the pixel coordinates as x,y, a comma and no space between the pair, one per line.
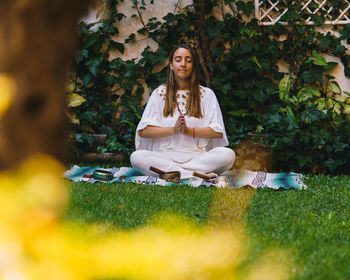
194,102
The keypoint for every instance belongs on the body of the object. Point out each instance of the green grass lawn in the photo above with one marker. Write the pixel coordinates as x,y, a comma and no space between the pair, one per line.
313,226
128,206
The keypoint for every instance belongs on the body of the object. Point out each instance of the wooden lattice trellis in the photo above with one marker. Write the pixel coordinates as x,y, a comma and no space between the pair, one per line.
269,12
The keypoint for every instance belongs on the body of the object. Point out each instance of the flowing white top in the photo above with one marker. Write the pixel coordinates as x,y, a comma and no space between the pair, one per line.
184,147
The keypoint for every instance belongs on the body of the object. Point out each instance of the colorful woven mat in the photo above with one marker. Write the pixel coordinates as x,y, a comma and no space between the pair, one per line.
231,179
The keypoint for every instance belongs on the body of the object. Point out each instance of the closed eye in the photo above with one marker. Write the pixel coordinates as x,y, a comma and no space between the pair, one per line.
187,58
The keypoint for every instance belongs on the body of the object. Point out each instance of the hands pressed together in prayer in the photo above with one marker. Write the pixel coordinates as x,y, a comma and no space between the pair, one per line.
180,125
203,132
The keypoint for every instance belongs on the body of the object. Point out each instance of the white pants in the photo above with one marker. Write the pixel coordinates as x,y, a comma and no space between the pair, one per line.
217,160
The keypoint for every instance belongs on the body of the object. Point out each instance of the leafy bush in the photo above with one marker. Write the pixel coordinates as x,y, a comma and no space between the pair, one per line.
98,80
308,129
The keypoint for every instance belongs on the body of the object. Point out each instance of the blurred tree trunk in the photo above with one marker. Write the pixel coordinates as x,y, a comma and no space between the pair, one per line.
203,8
37,44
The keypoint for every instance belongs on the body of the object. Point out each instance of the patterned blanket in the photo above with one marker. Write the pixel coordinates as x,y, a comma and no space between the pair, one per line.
231,179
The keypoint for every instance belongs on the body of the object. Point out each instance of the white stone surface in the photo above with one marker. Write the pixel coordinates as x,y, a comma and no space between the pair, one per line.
129,25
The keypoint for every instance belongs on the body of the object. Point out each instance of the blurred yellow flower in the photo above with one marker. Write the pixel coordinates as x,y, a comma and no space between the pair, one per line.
35,244
7,91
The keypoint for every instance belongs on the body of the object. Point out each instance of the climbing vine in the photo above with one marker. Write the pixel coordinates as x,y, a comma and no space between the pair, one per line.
299,113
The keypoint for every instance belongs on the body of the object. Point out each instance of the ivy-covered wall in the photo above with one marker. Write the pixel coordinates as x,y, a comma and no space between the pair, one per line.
274,83
130,24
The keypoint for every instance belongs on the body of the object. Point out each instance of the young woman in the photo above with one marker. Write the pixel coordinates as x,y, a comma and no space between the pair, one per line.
182,127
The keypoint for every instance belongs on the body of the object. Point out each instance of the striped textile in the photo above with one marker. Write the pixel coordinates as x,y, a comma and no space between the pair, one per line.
231,179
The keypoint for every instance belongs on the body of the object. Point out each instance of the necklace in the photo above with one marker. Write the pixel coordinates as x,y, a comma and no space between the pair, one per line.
178,108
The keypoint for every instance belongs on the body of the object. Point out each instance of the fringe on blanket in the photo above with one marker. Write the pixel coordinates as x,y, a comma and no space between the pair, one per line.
231,179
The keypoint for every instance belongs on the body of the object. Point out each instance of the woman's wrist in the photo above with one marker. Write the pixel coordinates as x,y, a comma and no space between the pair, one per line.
174,130
188,131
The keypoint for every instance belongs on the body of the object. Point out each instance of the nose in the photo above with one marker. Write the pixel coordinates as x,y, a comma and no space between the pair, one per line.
183,62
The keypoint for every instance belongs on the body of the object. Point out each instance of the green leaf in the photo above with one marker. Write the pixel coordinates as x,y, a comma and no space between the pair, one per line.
131,124
334,87
318,20
120,16
75,100
226,88
142,31
79,138
91,40
346,109
116,63
276,118
88,115
116,45
87,78
102,149
309,60
337,108
285,84
259,128
110,80
303,160
330,103
319,59
332,164
347,71
330,66
93,66
246,8
340,98
312,76
320,103
71,86
304,94
316,92
291,119
81,55
73,118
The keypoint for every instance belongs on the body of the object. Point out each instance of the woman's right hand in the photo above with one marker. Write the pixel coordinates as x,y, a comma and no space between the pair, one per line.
180,124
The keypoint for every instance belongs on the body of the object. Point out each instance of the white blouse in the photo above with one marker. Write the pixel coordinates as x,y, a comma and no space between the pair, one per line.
183,146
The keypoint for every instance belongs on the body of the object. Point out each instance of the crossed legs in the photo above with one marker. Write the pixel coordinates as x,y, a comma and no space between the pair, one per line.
216,160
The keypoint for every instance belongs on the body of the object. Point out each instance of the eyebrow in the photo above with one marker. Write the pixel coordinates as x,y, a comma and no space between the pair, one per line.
179,56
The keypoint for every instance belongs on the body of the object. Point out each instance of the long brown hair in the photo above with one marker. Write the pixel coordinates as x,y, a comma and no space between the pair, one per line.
194,102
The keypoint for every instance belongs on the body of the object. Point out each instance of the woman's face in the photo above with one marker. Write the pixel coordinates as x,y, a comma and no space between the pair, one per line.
182,64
